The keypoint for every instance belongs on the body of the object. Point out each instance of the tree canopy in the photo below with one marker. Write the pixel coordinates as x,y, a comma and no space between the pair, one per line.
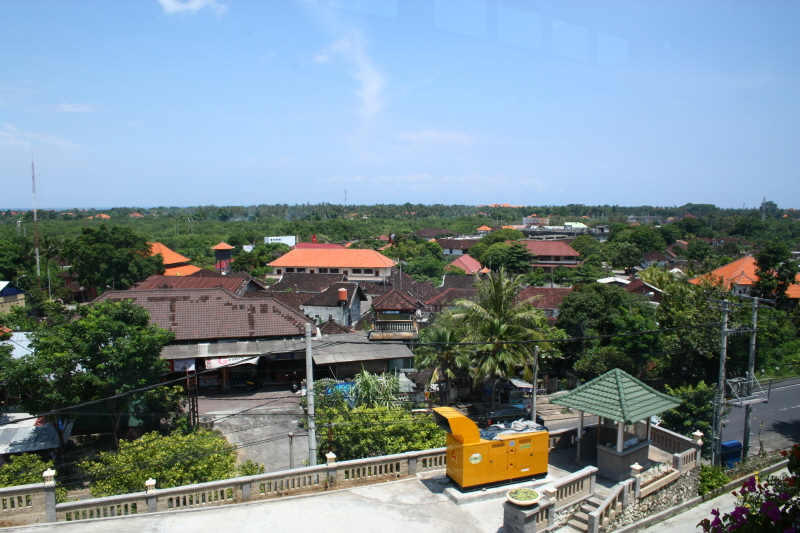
112,257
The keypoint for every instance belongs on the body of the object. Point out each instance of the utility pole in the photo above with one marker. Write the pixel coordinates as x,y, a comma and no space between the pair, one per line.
35,226
312,425
719,401
751,372
533,391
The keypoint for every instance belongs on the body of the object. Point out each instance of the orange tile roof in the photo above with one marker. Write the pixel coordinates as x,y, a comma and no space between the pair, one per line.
347,258
484,228
170,257
222,246
183,270
102,215
743,272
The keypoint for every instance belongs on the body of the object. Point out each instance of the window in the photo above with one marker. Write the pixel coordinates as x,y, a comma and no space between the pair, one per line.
356,271
323,270
368,271
289,269
334,271
301,269
278,271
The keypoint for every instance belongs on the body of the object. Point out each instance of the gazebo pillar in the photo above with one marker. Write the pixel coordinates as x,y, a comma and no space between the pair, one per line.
649,420
620,436
580,436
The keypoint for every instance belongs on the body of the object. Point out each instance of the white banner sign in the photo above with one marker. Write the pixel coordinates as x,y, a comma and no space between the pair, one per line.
229,361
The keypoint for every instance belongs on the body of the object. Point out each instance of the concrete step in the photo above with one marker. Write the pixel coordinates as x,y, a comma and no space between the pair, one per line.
581,517
579,527
594,502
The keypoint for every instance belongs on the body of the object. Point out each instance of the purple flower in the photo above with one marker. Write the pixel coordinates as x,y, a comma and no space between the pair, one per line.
750,484
772,510
784,496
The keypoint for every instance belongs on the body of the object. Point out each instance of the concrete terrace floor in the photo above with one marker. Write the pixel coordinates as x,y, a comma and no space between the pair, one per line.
405,506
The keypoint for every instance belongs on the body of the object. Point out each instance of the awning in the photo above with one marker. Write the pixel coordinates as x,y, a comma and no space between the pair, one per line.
230,361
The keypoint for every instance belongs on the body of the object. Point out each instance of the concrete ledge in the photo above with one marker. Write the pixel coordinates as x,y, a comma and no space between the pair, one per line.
492,493
668,513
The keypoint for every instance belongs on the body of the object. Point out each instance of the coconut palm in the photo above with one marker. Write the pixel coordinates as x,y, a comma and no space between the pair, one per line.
441,355
498,318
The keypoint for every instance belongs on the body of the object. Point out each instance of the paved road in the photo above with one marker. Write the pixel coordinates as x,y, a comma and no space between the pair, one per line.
781,418
260,423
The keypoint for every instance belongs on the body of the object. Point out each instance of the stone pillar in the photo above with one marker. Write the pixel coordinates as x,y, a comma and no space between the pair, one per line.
49,476
518,519
150,495
636,472
698,439
620,436
412,466
330,460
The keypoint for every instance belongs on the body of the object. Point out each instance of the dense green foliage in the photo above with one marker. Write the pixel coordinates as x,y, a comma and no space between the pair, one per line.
102,350
111,257
374,431
27,469
173,460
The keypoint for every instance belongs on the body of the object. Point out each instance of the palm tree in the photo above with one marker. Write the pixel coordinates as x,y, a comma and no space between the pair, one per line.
497,317
445,356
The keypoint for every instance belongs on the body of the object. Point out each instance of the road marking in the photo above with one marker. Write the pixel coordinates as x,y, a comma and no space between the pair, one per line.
786,387
787,408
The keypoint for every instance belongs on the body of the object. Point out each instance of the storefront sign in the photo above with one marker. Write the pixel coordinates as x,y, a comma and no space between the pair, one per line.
182,365
279,356
227,361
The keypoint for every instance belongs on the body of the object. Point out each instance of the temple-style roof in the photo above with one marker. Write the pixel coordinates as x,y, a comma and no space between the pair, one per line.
394,300
618,396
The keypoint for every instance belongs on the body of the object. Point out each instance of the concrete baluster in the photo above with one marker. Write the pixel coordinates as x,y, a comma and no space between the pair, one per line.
49,476
150,495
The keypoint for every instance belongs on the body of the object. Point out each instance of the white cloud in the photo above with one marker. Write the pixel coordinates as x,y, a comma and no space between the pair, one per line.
431,135
353,49
11,136
75,108
180,6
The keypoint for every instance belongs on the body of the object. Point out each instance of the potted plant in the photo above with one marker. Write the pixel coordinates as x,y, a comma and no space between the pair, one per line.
523,496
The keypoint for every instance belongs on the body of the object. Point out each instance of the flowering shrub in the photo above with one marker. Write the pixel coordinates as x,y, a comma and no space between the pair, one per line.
768,505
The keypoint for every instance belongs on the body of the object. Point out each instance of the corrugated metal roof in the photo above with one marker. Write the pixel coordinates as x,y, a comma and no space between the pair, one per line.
31,435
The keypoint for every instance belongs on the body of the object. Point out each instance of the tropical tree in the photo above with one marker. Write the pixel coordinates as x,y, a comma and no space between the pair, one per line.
111,257
776,271
442,354
376,390
502,325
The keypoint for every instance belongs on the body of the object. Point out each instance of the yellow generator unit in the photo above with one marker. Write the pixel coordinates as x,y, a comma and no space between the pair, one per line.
474,462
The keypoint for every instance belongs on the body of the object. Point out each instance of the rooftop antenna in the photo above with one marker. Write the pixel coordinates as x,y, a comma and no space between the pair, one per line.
35,221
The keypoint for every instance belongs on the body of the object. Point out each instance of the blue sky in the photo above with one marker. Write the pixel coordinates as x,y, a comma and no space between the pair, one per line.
195,102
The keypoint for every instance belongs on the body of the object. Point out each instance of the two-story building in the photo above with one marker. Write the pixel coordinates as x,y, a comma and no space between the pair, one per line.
357,265
552,254
456,246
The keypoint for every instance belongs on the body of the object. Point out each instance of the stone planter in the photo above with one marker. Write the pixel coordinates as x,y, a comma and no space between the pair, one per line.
523,503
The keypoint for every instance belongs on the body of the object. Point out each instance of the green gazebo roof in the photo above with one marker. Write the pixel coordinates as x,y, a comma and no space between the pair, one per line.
618,396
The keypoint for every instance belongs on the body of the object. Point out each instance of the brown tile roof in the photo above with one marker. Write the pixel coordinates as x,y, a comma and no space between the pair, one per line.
544,297
331,327
208,314
394,300
550,248
292,299
655,255
449,296
457,244
235,284
430,233
330,296
207,272
345,258
457,282
305,282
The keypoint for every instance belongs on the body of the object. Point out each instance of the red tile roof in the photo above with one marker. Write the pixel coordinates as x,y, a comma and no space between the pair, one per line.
346,258
550,248
543,297
451,295
468,265
207,314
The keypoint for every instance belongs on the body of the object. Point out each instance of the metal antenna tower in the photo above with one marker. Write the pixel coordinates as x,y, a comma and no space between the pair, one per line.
35,222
